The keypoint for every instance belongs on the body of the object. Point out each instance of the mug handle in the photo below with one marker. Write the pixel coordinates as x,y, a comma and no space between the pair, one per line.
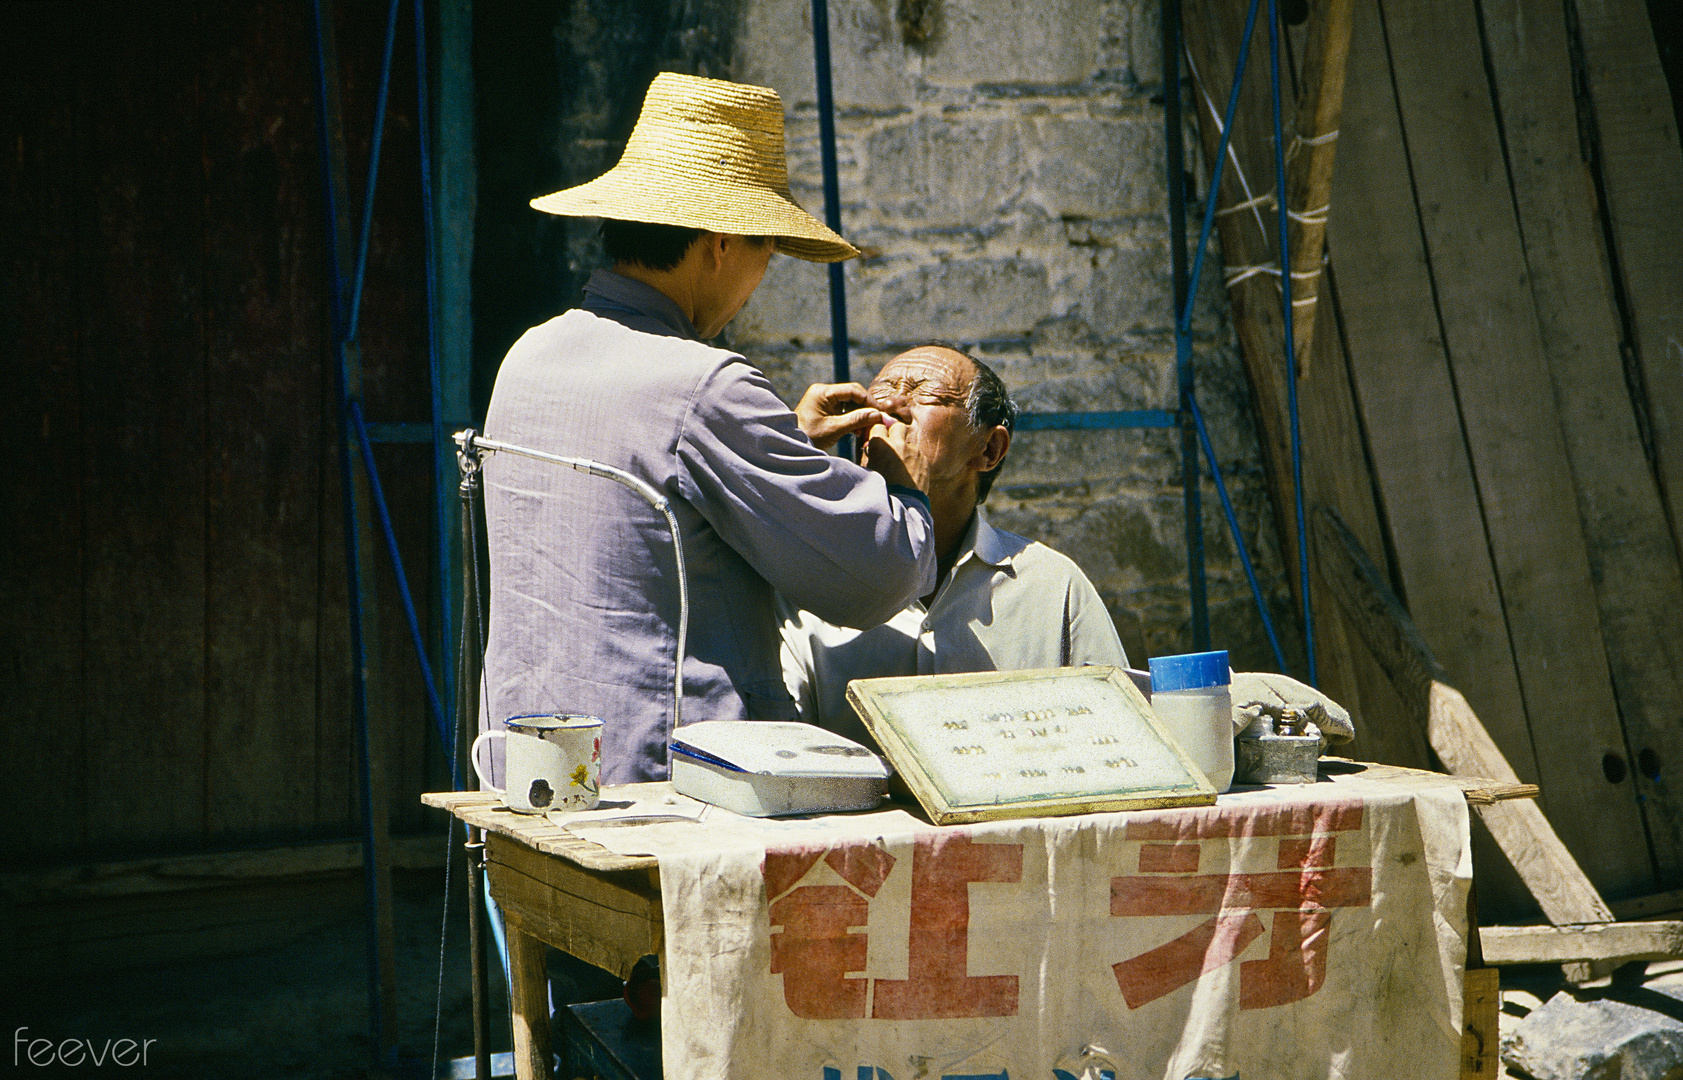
473,755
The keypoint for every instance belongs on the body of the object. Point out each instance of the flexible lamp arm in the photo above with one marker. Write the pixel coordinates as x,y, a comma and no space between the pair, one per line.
472,445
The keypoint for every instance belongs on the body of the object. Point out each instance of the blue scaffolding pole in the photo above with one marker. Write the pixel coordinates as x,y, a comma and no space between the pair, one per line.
364,500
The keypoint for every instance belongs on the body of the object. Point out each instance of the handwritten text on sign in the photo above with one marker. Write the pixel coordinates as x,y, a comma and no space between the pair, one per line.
999,742
815,948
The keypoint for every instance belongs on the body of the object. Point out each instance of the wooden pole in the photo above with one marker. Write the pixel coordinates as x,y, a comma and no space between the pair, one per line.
1309,161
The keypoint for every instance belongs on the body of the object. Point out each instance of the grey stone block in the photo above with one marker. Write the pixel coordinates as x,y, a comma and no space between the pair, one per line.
792,302
1131,290
1605,1039
1095,167
971,300
868,59
1028,41
945,170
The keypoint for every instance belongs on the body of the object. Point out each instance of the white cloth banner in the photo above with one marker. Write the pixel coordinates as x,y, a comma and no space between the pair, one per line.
1295,932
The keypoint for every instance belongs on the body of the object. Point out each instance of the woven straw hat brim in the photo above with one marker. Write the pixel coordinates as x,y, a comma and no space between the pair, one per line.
632,193
705,154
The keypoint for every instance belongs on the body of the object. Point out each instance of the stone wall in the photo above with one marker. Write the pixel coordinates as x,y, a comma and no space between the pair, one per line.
1002,166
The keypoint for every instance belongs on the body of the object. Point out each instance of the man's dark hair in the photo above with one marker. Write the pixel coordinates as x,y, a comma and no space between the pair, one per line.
657,247
990,405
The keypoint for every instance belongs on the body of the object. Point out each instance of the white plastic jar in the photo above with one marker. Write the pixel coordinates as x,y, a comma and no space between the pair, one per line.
1189,694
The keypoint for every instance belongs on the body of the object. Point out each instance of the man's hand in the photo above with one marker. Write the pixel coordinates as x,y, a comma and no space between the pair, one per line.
830,410
890,448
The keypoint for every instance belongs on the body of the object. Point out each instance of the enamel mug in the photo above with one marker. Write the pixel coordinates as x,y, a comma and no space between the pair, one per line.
550,762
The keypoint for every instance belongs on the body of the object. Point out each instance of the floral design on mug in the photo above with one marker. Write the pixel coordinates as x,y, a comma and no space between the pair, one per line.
581,779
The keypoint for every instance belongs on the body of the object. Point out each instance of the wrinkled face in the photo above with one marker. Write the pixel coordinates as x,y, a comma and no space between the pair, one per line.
924,394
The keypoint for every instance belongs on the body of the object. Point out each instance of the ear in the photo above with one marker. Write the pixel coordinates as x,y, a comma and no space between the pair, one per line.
713,249
993,451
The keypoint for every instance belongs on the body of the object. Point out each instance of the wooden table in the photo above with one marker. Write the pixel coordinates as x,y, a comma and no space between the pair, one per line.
602,907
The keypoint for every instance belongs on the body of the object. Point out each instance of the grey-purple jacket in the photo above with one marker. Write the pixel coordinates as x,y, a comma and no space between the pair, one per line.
584,598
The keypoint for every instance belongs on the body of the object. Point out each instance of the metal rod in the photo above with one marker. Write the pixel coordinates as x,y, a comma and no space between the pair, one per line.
1097,421
360,432
376,871
472,442
476,947
467,686
832,185
1291,348
1239,539
354,321
1191,495
440,442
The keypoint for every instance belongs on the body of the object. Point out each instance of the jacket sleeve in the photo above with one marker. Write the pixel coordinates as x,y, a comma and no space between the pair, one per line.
826,533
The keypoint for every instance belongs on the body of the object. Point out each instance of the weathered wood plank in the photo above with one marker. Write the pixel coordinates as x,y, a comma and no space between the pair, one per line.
1525,836
100,934
1642,907
596,919
484,810
1641,169
529,1004
1632,560
184,873
1408,405
140,247
41,629
1478,790
1337,475
1507,412
263,296
1618,942
1481,1039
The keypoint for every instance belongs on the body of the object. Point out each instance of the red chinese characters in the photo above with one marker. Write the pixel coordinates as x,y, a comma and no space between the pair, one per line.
1301,894
815,949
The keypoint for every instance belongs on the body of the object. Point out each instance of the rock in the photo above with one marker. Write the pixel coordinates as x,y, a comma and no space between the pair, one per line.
1630,1034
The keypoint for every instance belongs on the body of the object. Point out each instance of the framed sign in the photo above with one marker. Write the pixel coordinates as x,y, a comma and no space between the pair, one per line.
1004,744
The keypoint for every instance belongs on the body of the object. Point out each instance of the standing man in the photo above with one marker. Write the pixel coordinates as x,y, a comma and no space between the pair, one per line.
1003,603
584,597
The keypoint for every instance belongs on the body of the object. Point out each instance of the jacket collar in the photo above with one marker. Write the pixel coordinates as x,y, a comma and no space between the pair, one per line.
634,304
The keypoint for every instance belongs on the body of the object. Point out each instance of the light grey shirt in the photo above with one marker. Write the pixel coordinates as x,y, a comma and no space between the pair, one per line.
584,598
1010,604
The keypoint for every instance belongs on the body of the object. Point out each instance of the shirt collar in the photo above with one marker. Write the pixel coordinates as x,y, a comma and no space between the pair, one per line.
629,301
984,541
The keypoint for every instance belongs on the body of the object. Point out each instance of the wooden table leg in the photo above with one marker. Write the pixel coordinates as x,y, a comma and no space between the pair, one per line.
1481,1006
530,976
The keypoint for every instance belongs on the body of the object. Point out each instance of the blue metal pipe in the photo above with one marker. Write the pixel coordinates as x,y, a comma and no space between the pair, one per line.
353,567
1191,495
1097,421
1183,323
352,324
1238,539
443,458
832,185
415,633
1291,347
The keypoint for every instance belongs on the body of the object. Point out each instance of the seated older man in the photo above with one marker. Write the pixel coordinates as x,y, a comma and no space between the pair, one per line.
1001,602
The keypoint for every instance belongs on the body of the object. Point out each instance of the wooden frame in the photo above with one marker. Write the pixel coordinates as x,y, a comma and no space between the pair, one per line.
1123,718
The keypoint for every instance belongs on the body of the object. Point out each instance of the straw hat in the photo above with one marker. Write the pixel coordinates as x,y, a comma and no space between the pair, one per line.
705,154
